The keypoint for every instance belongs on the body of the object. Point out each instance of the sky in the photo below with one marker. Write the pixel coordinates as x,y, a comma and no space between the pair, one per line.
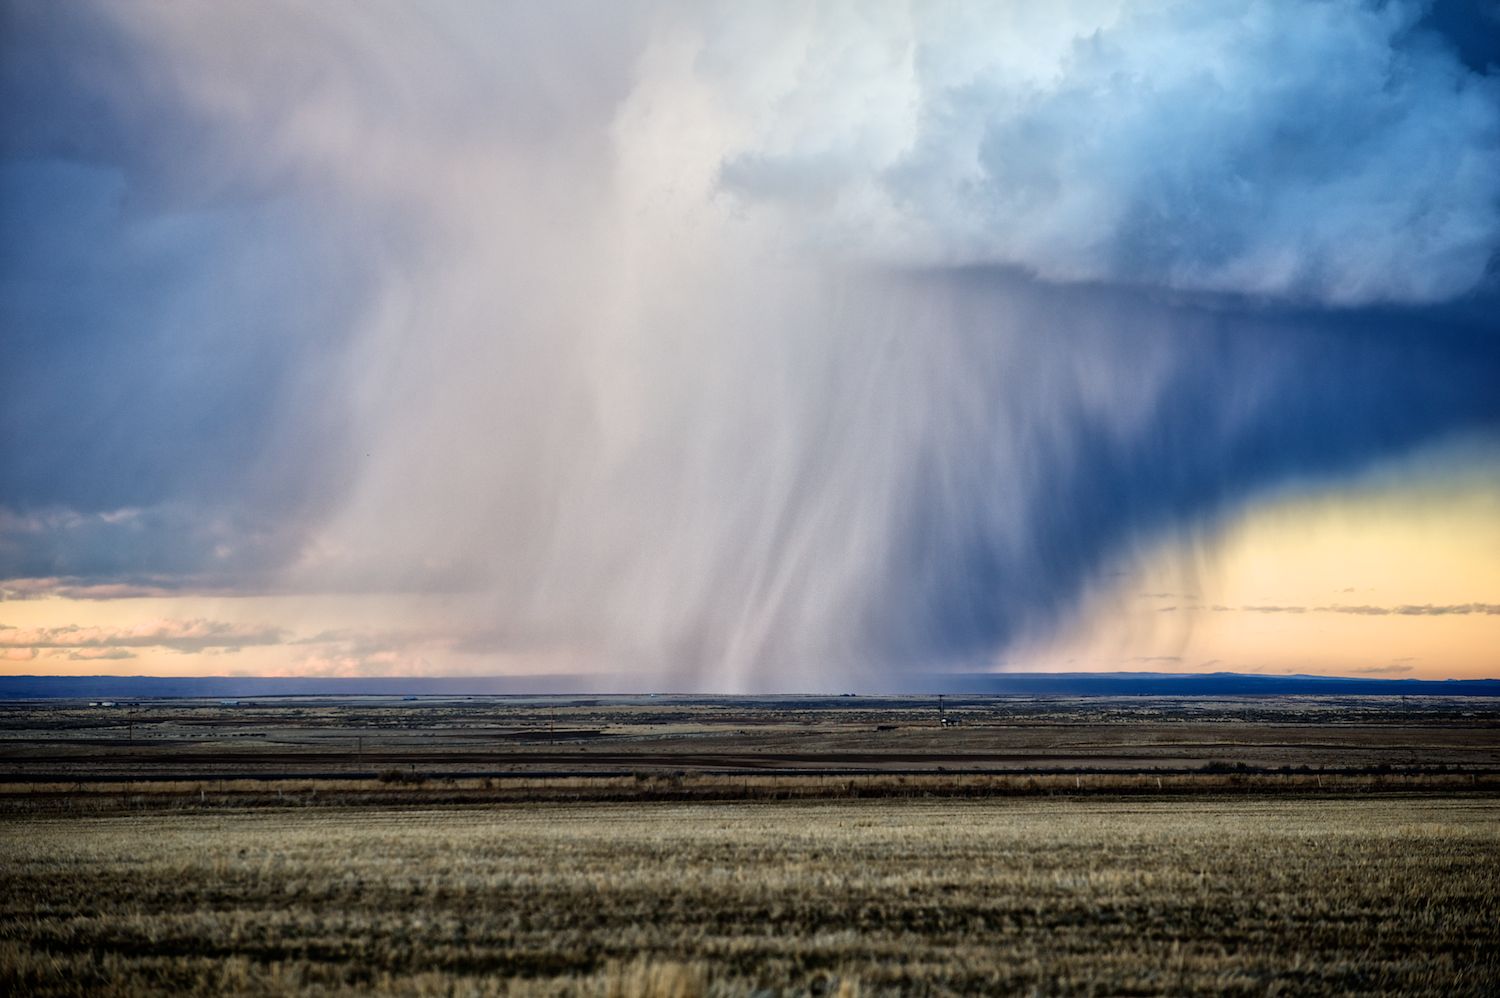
771,347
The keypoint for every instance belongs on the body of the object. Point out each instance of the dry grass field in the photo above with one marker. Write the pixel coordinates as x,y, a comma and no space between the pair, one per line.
1207,894
680,846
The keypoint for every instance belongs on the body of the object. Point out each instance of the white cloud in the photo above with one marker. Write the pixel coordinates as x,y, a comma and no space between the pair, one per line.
1325,152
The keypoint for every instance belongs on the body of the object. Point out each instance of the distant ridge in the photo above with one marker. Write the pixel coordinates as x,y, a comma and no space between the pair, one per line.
1211,684
1102,684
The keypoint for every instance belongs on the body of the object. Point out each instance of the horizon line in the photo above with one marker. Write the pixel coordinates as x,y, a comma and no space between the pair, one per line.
104,686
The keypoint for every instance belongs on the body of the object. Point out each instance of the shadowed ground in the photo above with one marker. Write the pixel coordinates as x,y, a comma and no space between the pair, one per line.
500,737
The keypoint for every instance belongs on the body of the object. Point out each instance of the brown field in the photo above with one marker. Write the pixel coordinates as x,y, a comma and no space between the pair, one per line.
697,846
504,737
1242,895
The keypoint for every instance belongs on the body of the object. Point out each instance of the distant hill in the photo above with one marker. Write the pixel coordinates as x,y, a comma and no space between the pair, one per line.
1210,684
1102,684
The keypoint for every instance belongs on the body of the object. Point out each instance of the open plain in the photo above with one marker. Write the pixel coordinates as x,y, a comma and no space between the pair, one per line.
683,846
578,742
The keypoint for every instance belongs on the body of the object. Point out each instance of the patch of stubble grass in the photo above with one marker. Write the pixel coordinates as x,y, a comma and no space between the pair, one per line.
1119,896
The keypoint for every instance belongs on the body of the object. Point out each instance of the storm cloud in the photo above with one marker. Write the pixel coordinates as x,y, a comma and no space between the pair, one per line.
1228,147
730,346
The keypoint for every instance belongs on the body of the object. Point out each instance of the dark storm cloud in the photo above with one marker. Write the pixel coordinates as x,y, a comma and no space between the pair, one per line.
1250,400
180,277
1472,28
611,312
166,341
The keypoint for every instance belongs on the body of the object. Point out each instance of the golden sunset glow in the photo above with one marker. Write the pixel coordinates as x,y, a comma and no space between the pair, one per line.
1395,576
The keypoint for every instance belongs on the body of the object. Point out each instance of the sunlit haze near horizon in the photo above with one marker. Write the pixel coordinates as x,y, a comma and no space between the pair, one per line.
749,347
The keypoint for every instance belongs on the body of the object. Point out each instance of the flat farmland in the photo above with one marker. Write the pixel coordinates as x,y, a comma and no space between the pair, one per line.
499,737
1204,895
682,846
